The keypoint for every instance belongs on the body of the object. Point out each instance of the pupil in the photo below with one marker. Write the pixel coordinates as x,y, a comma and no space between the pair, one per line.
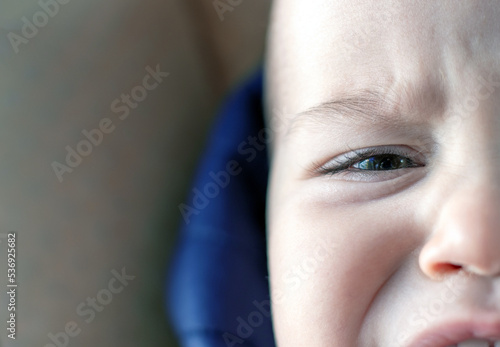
388,163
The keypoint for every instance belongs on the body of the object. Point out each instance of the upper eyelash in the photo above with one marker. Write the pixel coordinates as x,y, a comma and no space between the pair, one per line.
356,156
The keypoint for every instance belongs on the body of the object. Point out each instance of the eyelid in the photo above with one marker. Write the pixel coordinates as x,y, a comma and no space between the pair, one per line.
339,165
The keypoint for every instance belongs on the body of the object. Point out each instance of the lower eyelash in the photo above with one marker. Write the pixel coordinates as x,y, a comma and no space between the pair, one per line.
361,175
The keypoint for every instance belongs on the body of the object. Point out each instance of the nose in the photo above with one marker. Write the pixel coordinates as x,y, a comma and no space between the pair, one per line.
467,235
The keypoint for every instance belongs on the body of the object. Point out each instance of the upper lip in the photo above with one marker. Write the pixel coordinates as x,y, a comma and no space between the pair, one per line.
451,333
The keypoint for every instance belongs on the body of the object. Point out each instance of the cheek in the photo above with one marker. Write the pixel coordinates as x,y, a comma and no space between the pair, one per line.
327,262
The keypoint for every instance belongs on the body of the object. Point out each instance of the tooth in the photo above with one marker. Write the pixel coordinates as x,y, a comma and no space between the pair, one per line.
474,343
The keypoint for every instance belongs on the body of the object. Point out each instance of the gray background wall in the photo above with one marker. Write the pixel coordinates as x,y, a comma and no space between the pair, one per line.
118,207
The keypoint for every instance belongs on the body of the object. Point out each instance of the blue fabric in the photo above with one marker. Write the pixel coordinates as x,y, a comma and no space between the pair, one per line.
218,288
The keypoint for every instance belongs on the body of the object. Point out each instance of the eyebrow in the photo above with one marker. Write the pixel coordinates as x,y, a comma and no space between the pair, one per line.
359,107
369,107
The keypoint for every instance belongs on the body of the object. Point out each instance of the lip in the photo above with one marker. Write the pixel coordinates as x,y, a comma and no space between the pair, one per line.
447,334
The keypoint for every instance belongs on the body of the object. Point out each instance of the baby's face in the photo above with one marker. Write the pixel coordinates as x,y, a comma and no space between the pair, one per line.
384,203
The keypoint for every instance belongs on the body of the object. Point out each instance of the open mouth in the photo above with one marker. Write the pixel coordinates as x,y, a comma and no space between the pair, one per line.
482,332
477,343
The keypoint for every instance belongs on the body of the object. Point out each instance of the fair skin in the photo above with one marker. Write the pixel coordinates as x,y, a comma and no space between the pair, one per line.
400,246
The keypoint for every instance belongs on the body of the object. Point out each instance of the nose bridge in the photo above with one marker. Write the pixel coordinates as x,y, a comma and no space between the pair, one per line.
470,149
463,209
474,102
461,213
473,209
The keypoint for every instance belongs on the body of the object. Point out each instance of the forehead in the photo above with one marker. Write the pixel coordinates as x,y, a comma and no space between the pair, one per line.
321,49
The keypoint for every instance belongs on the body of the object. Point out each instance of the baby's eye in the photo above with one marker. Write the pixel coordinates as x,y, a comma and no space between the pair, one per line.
383,162
373,164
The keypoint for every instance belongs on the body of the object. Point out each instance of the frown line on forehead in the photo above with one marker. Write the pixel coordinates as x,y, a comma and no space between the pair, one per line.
408,105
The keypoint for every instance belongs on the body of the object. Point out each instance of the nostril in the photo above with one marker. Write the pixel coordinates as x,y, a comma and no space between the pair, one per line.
443,268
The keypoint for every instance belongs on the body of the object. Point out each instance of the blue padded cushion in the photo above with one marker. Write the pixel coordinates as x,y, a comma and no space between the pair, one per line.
217,288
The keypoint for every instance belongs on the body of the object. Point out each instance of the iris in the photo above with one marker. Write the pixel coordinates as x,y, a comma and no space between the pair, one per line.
383,162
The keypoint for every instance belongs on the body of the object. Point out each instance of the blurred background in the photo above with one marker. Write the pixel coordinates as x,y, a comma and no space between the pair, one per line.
86,220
